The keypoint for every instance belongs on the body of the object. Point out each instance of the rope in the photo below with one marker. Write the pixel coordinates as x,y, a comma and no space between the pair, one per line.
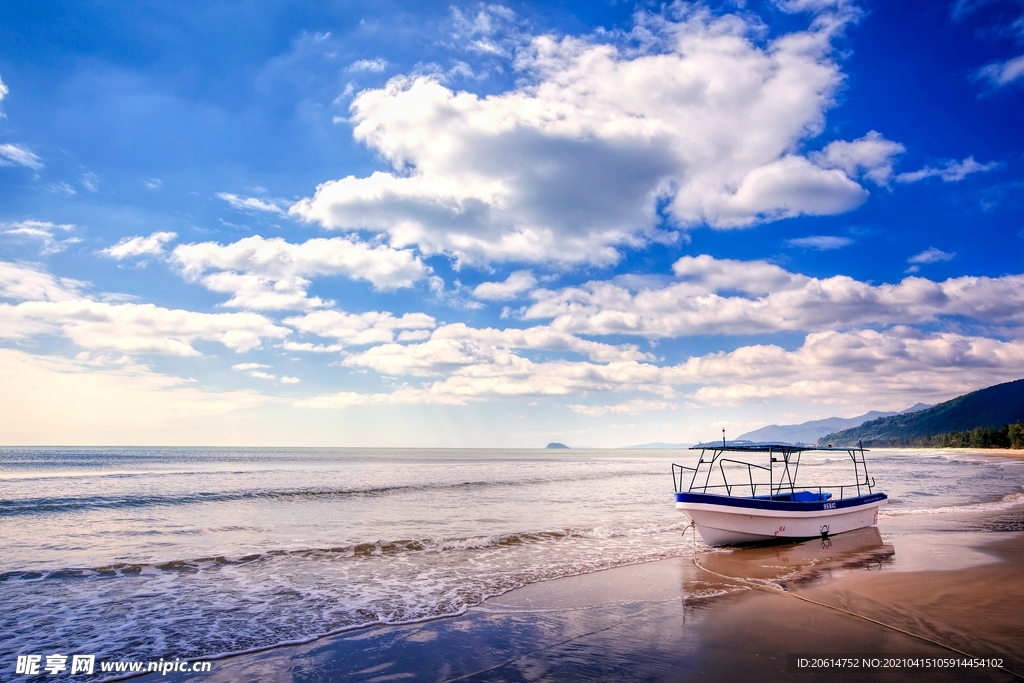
776,589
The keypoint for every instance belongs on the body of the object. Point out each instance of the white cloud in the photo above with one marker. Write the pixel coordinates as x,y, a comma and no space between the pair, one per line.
250,203
860,368
871,156
256,370
153,183
375,65
814,6
372,327
951,171
244,367
573,162
91,182
43,231
135,328
11,154
137,245
491,30
514,285
836,368
720,296
63,188
3,90
932,255
820,242
1002,74
458,346
24,282
312,348
273,274
413,335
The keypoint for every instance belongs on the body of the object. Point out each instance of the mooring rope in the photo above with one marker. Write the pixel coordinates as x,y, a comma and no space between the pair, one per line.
778,589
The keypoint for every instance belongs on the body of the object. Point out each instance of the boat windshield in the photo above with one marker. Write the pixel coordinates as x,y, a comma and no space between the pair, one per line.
767,470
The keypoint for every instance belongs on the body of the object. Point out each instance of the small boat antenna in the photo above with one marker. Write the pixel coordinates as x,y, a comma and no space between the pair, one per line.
723,436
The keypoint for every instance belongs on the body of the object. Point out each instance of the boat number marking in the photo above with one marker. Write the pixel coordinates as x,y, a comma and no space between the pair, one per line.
829,506
779,531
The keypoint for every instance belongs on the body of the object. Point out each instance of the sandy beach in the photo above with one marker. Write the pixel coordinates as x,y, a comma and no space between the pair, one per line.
954,579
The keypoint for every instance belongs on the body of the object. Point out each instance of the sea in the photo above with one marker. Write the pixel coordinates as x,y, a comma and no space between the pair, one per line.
160,553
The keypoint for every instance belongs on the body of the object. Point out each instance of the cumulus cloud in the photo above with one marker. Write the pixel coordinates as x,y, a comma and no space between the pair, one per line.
12,155
44,231
273,274
25,282
722,296
514,285
3,90
458,346
576,160
250,203
857,368
951,171
887,367
128,247
372,327
871,156
820,242
55,307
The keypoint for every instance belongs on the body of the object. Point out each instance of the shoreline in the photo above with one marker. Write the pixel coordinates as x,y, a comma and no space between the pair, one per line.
955,580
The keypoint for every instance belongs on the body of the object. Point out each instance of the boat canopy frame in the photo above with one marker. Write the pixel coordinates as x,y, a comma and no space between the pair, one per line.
782,458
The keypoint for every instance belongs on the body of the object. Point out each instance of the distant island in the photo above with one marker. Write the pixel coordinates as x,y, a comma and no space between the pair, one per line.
555,444
987,418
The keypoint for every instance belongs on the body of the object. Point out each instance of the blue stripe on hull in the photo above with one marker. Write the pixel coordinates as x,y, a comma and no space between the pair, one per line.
788,506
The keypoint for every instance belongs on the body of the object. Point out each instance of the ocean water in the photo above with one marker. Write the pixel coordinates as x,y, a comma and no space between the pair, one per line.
144,554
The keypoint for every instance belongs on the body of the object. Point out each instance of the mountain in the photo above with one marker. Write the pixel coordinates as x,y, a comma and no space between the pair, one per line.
810,432
555,444
992,407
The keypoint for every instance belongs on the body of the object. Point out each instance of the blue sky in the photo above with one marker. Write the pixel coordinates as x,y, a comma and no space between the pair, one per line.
413,224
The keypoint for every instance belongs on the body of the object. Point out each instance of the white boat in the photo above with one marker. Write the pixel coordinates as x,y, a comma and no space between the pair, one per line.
754,496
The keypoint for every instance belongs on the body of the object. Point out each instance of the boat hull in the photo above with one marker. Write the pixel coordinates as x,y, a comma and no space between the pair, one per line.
728,520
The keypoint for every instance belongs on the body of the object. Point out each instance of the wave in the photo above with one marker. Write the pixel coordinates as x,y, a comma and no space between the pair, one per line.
1006,502
27,506
355,550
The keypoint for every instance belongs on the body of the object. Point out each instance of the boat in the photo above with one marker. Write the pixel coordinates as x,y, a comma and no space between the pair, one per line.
743,492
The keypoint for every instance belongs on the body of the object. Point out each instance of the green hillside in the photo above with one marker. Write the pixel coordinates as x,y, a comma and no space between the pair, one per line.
990,408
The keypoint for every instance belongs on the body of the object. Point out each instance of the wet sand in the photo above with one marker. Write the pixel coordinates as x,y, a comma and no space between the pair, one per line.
958,581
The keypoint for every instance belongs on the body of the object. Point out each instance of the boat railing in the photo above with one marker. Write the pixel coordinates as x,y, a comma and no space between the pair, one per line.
750,475
773,488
